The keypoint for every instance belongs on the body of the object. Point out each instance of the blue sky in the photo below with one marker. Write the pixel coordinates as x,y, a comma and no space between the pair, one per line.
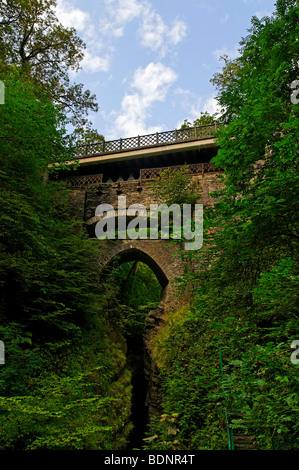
150,62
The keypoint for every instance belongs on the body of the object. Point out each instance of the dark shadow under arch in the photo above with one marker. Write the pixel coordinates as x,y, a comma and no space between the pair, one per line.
134,254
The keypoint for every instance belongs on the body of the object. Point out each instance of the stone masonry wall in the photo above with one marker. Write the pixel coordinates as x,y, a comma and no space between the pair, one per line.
157,253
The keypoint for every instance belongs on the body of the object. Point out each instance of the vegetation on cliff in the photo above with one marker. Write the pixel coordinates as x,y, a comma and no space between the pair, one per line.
244,313
73,340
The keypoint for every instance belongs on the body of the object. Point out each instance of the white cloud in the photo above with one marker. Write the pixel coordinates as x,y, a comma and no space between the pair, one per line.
156,35
178,31
116,15
96,57
93,63
71,17
211,105
193,104
119,14
126,10
150,85
153,31
232,53
153,81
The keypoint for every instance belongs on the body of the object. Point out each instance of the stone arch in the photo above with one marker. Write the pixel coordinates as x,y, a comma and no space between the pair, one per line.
135,254
164,260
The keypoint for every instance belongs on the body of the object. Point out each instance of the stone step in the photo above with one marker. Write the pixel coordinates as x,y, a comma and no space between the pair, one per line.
244,442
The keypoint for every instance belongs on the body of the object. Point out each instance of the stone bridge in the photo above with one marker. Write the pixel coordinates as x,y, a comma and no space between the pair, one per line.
165,261
117,168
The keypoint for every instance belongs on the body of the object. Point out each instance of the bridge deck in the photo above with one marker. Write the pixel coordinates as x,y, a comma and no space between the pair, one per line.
154,141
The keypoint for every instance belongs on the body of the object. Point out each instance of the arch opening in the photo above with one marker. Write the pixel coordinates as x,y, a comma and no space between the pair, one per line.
135,254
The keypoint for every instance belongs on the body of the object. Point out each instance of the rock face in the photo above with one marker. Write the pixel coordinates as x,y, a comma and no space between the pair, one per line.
166,261
153,398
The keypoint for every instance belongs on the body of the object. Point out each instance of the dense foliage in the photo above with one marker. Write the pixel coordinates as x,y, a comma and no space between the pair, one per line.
73,339
205,119
244,313
33,39
65,383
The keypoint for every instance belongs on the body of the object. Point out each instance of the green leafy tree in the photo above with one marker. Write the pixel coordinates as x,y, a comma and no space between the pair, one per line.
175,186
65,384
205,119
245,286
33,40
230,72
258,216
86,135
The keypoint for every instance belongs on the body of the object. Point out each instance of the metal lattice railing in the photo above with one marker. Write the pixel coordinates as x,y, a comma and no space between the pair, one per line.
147,174
81,181
144,141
